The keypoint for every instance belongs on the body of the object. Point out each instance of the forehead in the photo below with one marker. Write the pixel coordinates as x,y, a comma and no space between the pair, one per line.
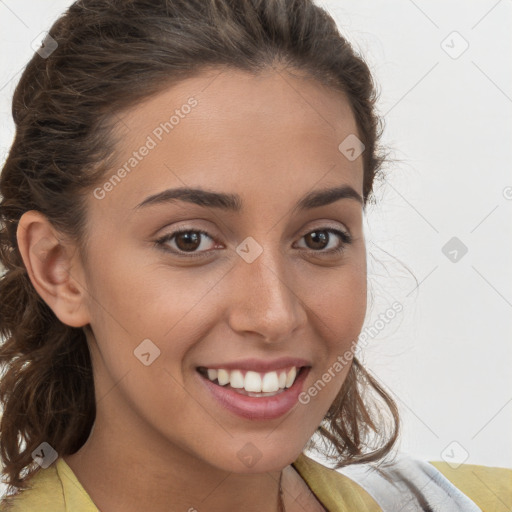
241,100
227,129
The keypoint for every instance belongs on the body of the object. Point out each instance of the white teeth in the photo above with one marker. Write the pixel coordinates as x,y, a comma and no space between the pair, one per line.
270,382
223,377
237,379
290,378
254,382
282,380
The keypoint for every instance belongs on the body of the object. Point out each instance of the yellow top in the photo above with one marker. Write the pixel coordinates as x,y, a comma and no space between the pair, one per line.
490,488
56,489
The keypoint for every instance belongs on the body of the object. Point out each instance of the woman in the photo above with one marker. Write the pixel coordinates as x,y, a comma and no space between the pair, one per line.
185,267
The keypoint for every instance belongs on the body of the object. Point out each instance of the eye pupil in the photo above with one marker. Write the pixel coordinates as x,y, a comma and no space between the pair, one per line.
322,235
188,235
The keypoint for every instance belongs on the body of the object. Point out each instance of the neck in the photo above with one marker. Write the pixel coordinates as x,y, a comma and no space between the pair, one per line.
170,478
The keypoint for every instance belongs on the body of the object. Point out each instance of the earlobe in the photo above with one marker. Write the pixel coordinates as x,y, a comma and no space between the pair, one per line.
53,268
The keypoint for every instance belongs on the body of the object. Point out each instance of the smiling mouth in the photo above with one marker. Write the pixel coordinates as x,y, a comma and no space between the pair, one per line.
250,383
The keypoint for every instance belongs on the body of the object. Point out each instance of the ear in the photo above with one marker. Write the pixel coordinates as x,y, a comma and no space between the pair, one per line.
54,268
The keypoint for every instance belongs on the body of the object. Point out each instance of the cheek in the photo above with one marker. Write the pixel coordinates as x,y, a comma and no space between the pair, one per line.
340,305
131,301
135,293
340,309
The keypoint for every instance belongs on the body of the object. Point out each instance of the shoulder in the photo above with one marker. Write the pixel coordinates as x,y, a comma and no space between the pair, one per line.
489,487
44,493
411,484
54,489
337,492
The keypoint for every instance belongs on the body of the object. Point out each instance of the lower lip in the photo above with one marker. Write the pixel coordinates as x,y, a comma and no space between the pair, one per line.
262,408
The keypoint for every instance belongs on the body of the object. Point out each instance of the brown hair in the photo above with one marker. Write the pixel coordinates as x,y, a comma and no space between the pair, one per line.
110,55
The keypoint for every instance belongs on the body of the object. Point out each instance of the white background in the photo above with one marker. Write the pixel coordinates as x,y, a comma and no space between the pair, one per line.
446,358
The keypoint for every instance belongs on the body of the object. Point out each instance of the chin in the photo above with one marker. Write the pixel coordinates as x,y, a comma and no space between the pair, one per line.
257,454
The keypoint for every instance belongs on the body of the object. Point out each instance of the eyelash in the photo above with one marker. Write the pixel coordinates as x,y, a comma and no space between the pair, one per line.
161,242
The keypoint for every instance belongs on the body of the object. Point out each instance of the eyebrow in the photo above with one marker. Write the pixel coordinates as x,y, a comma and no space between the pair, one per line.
234,203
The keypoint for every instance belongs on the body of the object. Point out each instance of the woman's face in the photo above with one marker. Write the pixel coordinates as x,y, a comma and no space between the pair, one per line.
261,294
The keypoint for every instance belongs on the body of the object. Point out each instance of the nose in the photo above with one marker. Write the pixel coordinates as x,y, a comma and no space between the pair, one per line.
263,301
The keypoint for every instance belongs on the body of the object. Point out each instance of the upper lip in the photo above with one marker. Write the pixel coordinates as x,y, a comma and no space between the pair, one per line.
260,365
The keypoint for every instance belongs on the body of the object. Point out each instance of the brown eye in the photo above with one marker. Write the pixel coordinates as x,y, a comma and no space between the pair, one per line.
319,239
185,241
188,241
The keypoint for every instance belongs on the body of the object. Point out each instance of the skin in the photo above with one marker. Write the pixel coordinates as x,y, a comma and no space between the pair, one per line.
158,437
